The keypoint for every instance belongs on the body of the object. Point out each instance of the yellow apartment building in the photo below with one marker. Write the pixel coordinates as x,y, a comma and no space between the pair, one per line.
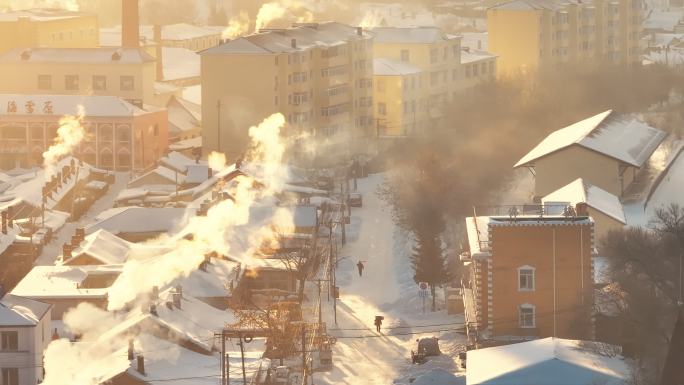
128,73
399,91
319,76
537,34
48,28
436,53
477,66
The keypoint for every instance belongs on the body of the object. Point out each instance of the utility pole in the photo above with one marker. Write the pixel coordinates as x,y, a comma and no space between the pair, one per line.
223,359
304,352
242,355
218,124
225,364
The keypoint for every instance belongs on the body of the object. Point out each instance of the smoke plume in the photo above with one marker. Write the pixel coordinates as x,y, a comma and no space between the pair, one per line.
69,135
237,26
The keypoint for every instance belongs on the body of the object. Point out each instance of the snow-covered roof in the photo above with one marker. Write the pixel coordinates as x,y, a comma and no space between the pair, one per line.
20,311
280,41
195,322
139,220
304,216
94,106
477,229
180,63
470,55
186,144
183,115
112,55
526,5
174,32
64,281
177,161
408,35
193,94
662,20
103,246
617,136
581,191
42,14
214,282
391,67
545,361
197,173
162,172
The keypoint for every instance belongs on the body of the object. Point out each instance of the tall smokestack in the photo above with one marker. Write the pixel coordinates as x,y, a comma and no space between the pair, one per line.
130,24
159,52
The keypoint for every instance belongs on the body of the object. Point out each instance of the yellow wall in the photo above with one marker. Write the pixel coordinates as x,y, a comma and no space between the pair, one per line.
395,92
558,169
514,36
23,78
75,32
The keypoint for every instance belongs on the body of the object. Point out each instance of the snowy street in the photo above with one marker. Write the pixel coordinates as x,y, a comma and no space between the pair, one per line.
361,355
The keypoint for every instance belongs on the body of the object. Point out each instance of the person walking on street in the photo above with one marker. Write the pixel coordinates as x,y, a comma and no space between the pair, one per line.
360,266
378,322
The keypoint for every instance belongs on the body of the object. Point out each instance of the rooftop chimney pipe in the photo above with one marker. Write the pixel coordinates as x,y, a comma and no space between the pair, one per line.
130,24
159,52
130,350
294,43
359,31
176,300
141,364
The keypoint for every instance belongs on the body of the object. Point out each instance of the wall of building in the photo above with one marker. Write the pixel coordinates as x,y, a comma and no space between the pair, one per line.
17,77
588,33
514,36
558,169
603,223
75,32
248,93
561,257
33,340
400,97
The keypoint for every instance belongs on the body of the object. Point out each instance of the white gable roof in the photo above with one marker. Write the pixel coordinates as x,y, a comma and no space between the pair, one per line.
548,361
620,137
597,198
19,311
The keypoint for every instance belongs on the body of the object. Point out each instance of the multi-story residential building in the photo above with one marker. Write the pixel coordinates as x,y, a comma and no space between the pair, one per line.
437,54
399,90
607,150
477,66
530,275
24,334
319,76
538,34
119,135
128,73
56,28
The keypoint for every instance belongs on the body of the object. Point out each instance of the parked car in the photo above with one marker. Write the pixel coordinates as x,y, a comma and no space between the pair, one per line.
355,200
429,346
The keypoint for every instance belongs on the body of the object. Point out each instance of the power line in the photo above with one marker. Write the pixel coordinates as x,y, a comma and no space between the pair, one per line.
400,334
405,327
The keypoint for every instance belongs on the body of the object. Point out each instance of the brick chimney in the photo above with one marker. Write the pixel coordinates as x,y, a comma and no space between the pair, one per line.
141,364
66,251
159,51
130,24
131,353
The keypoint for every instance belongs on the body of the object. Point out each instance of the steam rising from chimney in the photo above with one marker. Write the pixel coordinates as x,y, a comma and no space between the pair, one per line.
69,135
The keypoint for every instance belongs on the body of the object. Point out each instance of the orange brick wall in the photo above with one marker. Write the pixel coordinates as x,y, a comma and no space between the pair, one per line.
534,245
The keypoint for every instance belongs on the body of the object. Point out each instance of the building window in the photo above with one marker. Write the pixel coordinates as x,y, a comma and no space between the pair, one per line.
526,316
71,82
382,109
526,278
433,56
44,82
9,341
405,56
99,83
127,83
10,376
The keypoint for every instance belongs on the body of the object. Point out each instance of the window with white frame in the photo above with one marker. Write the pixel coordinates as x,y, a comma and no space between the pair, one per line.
526,314
526,278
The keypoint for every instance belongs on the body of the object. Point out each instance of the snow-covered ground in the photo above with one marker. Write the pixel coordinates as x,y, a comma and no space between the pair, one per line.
361,355
54,249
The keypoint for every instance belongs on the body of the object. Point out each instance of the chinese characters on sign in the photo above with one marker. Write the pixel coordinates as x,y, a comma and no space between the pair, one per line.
30,107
